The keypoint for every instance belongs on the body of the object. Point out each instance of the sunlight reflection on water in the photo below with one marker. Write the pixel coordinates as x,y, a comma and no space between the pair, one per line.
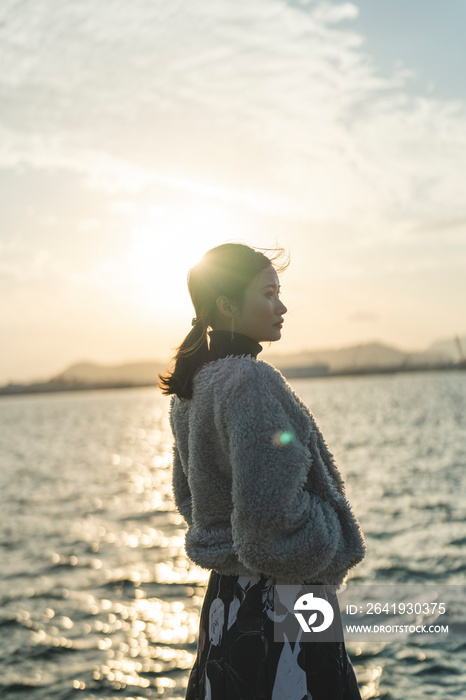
97,594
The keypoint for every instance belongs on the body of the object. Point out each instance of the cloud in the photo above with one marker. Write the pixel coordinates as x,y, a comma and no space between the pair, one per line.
271,104
329,13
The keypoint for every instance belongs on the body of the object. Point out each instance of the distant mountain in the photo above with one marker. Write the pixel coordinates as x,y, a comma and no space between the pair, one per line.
86,375
365,357
449,348
368,355
131,373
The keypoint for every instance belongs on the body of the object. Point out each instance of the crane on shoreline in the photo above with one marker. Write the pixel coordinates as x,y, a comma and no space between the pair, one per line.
462,360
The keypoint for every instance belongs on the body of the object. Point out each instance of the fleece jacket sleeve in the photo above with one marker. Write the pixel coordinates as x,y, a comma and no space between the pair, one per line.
181,490
279,528
180,487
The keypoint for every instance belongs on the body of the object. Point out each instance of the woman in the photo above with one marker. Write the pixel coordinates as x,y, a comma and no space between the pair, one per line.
261,494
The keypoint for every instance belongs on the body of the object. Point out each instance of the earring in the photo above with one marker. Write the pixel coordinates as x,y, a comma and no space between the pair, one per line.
232,328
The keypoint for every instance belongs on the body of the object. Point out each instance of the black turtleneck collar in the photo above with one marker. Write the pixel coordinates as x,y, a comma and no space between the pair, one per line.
222,345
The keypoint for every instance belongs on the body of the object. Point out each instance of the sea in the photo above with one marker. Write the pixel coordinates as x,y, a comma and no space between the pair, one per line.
98,599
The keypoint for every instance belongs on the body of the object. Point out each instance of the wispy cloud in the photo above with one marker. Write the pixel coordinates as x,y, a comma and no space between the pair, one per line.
124,123
275,104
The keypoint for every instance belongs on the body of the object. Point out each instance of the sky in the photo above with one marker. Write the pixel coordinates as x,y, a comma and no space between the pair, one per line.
136,136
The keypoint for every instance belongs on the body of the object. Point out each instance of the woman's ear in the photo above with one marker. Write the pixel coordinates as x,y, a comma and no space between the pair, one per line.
226,307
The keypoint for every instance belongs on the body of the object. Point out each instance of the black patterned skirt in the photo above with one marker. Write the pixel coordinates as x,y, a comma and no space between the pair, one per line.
238,659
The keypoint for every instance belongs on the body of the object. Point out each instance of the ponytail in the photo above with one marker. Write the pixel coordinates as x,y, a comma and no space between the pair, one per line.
189,358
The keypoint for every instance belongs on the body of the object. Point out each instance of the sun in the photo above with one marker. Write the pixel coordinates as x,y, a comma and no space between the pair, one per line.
165,244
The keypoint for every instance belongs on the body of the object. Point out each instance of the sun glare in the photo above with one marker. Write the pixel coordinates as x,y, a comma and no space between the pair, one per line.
165,245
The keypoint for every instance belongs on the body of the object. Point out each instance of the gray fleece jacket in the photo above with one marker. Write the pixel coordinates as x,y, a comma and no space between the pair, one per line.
255,481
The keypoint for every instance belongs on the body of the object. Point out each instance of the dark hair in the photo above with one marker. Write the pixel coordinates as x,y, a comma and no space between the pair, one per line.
226,270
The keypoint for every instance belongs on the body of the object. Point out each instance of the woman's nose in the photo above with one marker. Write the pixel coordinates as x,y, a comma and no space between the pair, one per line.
283,308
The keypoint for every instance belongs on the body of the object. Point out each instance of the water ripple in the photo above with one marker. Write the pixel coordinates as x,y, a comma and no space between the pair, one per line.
98,599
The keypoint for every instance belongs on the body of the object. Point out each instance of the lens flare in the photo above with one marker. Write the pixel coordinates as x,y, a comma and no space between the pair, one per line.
282,438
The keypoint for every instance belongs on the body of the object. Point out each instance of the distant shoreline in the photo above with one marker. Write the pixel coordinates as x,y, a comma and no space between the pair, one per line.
50,388
54,387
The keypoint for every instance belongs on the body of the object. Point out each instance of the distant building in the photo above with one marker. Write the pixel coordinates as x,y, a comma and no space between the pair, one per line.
306,371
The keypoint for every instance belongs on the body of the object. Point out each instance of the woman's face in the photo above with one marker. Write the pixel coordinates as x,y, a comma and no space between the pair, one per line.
261,316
